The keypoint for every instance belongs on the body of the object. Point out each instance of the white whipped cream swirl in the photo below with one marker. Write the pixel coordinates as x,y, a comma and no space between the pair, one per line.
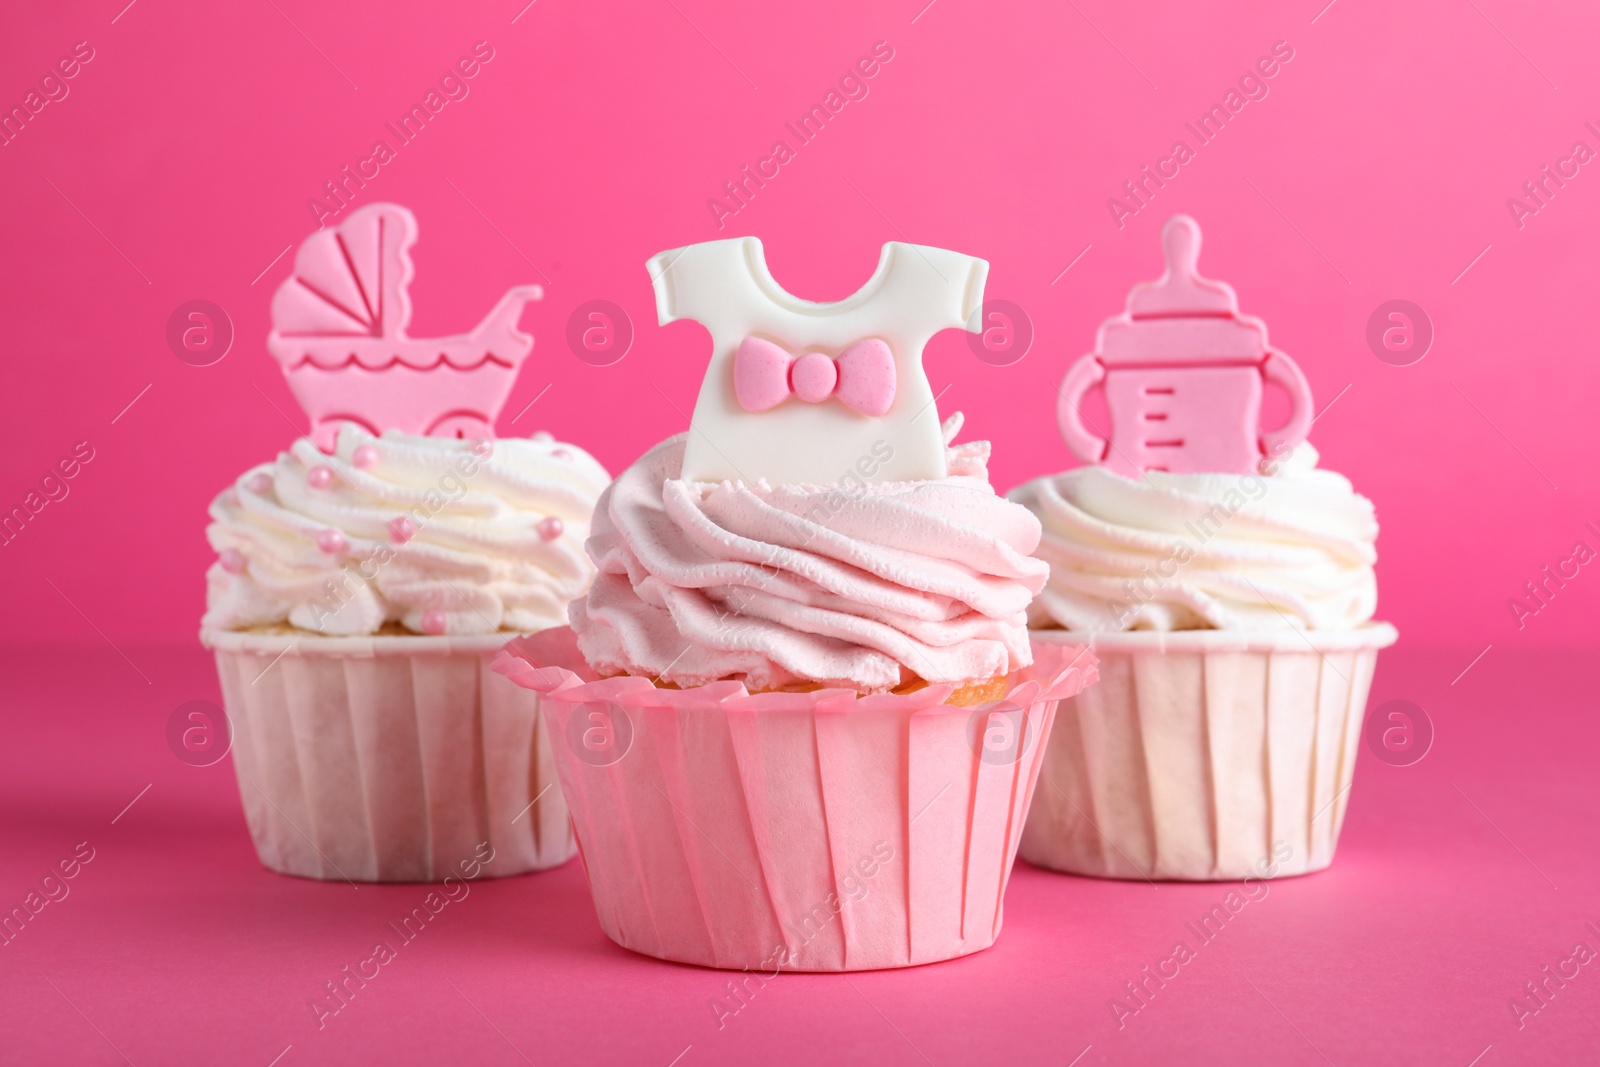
1293,548
438,535
862,586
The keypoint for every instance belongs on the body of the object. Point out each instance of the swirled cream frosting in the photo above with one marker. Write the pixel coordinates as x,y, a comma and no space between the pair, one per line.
868,586
1293,547
433,535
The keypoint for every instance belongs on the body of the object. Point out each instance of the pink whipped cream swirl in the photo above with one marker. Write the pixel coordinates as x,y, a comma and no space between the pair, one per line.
855,586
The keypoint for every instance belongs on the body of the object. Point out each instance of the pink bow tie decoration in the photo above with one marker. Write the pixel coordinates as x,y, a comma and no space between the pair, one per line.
863,377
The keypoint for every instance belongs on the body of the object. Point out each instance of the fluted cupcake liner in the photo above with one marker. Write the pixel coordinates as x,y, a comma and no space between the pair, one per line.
794,831
1204,754
389,758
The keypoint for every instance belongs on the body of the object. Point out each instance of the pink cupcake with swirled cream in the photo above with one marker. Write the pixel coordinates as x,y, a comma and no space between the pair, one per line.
808,636
366,578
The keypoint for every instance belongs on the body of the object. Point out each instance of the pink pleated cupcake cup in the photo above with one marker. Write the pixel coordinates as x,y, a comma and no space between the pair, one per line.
391,758
1203,755
818,831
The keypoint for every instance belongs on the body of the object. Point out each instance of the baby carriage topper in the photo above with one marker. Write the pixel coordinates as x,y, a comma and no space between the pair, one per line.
339,331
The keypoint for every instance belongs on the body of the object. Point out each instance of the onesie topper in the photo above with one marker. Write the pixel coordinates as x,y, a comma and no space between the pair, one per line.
798,392
1183,373
339,332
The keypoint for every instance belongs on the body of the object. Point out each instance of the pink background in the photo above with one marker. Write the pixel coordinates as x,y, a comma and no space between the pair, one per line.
1378,168
594,138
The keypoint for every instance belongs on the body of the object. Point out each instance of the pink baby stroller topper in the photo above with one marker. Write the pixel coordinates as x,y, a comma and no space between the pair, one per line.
339,331
1183,372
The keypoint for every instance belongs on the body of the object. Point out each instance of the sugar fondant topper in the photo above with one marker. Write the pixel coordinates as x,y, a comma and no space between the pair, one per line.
339,331
805,393
1183,373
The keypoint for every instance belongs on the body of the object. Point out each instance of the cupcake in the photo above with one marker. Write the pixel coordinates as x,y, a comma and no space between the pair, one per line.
797,716
365,580
1226,585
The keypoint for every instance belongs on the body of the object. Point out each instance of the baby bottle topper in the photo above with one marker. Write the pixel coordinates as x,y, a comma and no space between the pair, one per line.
1183,372
339,331
806,393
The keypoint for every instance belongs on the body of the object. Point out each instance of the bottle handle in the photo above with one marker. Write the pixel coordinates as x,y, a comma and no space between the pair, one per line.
1082,376
1285,373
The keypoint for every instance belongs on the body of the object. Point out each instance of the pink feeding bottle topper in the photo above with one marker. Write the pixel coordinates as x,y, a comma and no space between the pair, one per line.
1183,373
339,331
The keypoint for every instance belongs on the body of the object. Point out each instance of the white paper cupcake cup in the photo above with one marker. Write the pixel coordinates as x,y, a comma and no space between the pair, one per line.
1204,754
389,758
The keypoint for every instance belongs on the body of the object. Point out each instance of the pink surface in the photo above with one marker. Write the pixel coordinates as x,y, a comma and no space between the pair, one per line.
179,948
1387,160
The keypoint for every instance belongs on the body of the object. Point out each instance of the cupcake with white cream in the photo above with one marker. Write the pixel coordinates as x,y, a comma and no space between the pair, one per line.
364,581
1226,585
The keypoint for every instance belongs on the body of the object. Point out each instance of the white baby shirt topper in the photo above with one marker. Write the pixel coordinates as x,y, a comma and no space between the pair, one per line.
802,393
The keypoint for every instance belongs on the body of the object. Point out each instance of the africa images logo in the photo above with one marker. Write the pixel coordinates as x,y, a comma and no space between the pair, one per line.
599,733
1001,734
